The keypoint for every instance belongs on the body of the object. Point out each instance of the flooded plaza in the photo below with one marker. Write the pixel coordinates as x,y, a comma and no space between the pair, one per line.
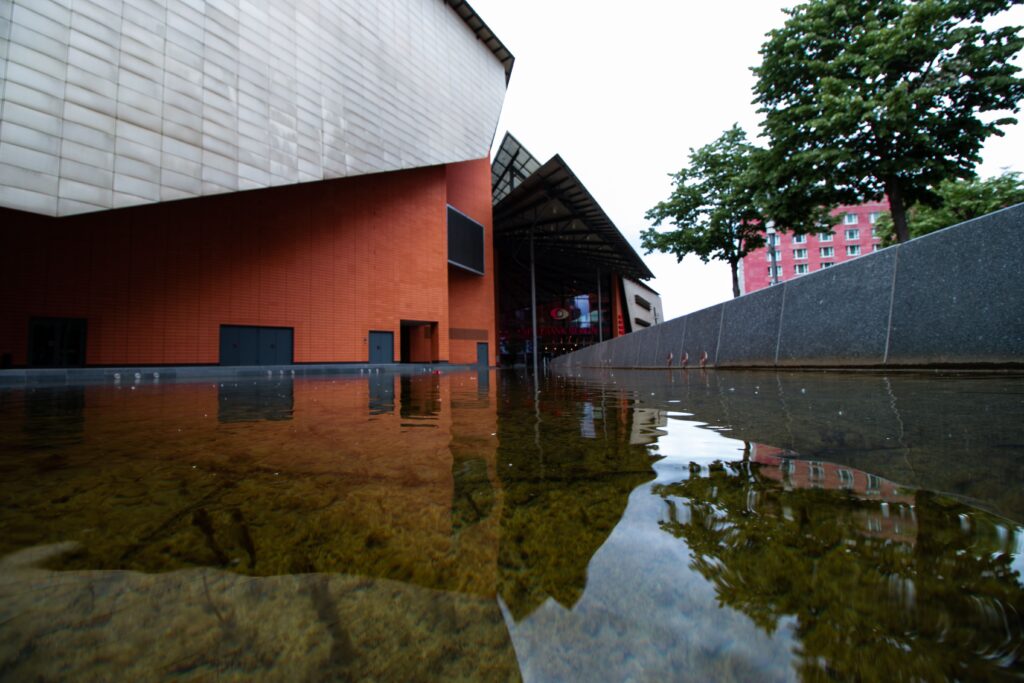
617,525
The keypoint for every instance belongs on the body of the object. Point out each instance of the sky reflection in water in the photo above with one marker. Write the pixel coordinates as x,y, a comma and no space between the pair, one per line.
644,525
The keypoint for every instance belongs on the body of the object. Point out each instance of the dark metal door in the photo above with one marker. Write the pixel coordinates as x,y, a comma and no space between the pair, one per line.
481,354
56,342
246,345
230,345
249,345
285,346
382,347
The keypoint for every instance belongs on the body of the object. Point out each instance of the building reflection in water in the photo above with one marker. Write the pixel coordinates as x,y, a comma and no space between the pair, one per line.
421,402
327,476
249,401
648,425
361,514
382,394
311,488
893,518
54,416
587,430
959,434
563,499
927,585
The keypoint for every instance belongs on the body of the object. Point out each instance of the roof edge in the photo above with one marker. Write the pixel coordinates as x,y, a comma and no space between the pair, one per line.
485,34
640,271
622,238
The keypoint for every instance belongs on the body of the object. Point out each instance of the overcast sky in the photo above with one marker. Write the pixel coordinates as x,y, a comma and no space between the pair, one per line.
623,90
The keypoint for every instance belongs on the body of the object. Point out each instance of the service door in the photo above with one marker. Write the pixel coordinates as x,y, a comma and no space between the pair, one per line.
275,345
56,342
382,347
249,345
481,354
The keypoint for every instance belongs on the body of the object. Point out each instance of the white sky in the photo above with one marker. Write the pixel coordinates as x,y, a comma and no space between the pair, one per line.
623,90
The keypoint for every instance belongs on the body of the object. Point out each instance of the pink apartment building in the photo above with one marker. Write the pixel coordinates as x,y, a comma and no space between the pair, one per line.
797,255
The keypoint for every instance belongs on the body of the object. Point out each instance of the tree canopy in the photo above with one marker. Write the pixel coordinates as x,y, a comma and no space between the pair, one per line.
865,98
961,200
713,206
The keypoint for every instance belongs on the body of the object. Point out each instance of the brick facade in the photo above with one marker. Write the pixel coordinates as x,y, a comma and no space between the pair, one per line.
331,259
471,298
756,273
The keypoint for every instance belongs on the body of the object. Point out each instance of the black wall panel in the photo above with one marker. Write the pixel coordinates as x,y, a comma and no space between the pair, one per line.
465,242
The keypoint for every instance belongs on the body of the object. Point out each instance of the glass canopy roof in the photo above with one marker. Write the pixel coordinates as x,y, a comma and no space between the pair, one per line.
567,224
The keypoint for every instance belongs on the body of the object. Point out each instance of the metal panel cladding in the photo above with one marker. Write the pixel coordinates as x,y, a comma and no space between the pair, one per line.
111,104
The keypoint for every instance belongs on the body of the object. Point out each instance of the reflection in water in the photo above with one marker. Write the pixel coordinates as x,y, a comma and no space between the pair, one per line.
382,394
587,430
307,529
561,505
255,400
648,425
186,476
55,416
958,434
421,400
924,584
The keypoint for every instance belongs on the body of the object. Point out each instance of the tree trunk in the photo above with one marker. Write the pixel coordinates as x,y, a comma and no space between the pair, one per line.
734,265
898,209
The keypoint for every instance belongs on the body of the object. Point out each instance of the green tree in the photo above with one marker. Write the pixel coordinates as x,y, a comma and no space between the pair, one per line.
865,98
961,200
714,206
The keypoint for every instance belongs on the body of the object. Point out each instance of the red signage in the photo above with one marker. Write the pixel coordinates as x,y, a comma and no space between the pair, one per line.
557,331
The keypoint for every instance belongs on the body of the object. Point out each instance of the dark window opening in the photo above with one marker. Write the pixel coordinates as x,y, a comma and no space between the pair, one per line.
641,322
56,342
465,242
642,302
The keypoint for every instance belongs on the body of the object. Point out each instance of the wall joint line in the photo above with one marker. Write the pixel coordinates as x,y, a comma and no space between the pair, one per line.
892,299
778,337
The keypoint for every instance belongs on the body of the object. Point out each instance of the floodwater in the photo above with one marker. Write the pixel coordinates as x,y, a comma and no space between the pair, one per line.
644,525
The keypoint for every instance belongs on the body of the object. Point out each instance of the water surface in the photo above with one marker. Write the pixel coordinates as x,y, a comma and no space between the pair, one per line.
623,525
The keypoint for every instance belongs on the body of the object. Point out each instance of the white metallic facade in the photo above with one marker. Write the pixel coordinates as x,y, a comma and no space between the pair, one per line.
643,304
113,103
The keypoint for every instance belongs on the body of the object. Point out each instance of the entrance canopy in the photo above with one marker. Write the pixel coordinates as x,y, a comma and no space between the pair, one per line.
568,226
561,260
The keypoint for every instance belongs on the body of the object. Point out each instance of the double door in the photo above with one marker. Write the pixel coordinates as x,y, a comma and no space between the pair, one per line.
246,345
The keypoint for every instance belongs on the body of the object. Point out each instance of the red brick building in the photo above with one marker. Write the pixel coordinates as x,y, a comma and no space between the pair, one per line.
796,255
332,262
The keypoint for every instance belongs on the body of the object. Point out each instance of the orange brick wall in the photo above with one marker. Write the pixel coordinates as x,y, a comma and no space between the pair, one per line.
471,302
332,259
422,343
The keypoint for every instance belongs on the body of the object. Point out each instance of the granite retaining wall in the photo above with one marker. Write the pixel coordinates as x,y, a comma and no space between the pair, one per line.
951,298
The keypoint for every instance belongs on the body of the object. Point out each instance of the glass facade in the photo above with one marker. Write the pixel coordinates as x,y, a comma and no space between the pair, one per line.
570,314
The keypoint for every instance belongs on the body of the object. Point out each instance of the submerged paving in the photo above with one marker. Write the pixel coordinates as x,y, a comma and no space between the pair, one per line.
666,525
